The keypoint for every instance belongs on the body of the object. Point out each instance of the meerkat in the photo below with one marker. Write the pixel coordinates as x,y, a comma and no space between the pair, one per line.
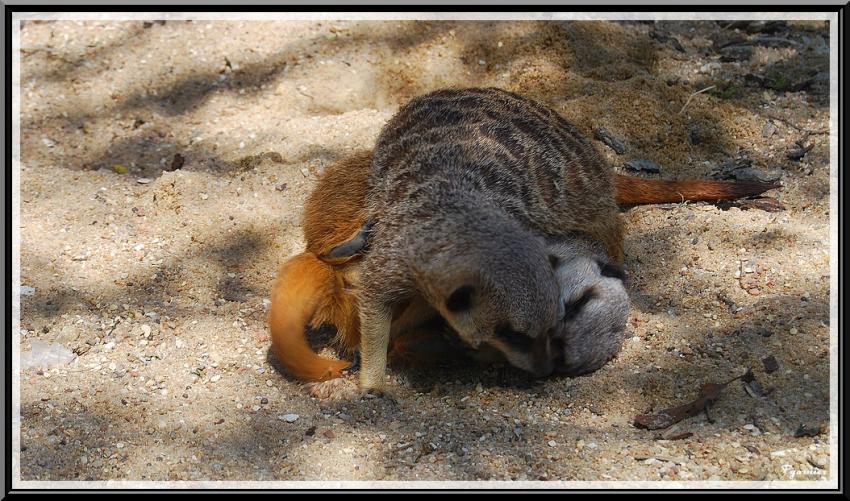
316,287
463,184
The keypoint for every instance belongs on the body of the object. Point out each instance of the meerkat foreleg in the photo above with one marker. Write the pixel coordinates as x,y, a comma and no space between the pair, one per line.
375,322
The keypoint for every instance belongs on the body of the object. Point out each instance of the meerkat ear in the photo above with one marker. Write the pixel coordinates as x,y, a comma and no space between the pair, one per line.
461,299
356,244
612,270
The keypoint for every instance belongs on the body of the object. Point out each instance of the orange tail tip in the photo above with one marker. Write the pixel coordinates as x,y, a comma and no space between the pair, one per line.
301,284
634,190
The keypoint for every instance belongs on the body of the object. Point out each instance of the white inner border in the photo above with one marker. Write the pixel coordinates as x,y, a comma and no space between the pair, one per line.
830,483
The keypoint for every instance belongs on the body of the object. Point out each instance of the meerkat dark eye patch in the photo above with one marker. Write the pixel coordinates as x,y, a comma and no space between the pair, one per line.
573,308
461,299
513,338
611,270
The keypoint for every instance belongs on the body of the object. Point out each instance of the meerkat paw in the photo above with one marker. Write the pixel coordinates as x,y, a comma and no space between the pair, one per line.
336,389
382,392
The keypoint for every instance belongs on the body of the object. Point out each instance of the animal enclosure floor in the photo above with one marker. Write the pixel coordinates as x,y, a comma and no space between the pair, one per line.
164,167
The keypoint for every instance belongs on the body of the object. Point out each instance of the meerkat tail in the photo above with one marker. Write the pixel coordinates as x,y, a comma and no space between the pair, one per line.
301,286
635,190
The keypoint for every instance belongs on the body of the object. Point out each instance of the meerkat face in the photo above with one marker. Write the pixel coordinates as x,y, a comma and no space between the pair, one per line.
509,307
595,303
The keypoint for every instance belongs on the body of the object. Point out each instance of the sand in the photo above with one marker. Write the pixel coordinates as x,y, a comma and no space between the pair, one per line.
164,168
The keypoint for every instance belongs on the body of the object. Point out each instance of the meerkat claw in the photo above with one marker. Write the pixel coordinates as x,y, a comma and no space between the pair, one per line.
380,393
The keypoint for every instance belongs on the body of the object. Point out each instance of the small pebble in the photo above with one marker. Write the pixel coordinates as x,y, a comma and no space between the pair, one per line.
144,180
552,443
770,364
215,378
641,165
289,418
768,129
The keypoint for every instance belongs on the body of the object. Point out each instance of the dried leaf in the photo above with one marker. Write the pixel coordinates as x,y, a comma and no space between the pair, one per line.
668,417
708,393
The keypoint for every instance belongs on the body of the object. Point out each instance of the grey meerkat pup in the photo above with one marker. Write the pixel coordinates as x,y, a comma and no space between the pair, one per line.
465,187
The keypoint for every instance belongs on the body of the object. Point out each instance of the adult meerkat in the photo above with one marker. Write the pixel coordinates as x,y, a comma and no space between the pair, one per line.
461,150
316,287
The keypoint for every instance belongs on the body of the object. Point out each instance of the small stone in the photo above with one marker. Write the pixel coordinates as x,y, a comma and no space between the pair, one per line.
329,434
793,331
642,165
768,130
26,290
808,430
204,196
119,445
611,140
264,400
146,330
552,443
289,418
280,187
108,346
144,180
770,364
176,162
819,462
215,378
269,382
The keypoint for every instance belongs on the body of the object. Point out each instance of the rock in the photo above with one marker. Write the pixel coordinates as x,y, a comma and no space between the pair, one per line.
796,154
768,130
176,162
808,430
737,52
749,174
770,364
26,290
819,462
289,418
642,165
614,142
144,180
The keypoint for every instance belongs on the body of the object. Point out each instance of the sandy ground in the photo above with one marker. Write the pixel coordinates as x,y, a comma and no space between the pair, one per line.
158,277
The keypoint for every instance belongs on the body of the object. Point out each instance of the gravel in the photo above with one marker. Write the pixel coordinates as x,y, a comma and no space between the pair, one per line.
163,254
